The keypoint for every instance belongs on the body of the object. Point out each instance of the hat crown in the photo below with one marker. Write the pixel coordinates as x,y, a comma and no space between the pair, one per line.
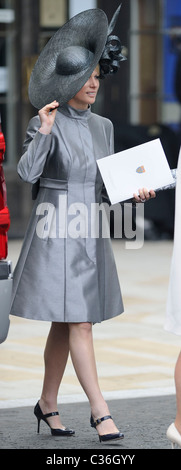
73,59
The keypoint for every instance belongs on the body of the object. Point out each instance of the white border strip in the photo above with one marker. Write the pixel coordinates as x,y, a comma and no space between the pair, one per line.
78,398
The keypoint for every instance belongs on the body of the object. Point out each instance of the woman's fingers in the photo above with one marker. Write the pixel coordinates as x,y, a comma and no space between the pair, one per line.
49,107
144,195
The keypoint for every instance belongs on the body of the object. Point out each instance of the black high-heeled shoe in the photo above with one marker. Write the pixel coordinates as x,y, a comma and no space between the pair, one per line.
105,437
55,432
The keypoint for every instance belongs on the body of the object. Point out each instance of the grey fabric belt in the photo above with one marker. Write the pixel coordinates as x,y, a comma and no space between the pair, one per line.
53,184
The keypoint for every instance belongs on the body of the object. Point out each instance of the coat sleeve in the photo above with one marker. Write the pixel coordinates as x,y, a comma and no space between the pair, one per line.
36,148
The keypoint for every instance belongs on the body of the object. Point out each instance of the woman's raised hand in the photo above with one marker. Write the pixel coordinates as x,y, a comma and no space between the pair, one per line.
47,117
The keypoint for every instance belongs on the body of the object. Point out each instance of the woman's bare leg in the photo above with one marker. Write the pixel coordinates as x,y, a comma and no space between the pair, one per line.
83,358
55,358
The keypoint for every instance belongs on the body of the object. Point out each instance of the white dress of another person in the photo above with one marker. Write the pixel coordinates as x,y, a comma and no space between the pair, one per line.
173,308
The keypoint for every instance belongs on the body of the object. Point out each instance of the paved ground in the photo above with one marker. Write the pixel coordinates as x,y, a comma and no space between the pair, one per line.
142,420
135,359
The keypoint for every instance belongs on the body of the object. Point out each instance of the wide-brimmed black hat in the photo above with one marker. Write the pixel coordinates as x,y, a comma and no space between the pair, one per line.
69,58
71,55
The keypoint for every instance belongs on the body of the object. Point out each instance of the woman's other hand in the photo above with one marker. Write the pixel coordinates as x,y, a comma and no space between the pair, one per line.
47,117
144,195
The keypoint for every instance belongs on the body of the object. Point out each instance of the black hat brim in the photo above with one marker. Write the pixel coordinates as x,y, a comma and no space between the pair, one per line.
89,30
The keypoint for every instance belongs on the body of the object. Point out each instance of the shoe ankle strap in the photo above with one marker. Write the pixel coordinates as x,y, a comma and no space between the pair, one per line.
99,420
54,413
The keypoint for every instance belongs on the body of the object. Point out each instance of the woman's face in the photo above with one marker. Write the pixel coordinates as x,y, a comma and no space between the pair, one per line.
87,95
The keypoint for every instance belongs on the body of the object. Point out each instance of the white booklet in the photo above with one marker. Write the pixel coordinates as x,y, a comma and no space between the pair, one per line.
143,166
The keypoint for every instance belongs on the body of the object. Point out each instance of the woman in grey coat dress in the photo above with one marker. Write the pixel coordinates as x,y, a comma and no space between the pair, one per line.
65,275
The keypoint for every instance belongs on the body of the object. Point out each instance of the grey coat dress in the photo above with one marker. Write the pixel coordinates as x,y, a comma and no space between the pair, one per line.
66,270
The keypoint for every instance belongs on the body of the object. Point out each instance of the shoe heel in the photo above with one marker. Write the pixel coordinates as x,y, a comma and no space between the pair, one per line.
38,428
173,445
